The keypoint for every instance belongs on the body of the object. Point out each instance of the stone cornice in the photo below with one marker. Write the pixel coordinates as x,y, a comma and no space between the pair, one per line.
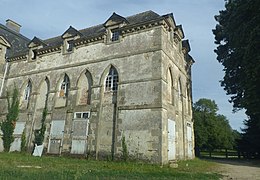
87,40
18,58
46,50
99,38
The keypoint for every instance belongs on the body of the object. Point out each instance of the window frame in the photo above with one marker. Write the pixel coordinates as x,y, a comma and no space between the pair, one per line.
27,91
82,115
111,81
64,86
115,35
69,46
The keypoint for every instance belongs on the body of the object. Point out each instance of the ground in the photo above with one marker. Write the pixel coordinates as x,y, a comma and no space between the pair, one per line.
239,169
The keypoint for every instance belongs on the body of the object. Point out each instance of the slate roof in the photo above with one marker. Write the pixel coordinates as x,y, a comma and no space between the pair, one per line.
37,41
141,17
71,31
18,41
100,29
116,18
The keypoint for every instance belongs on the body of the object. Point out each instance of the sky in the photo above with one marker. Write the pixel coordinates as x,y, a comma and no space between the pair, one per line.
50,18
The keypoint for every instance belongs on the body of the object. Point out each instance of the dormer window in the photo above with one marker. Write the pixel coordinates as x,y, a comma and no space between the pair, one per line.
34,45
115,35
68,37
112,26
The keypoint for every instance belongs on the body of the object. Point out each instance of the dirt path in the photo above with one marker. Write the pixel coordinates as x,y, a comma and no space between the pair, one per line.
239,170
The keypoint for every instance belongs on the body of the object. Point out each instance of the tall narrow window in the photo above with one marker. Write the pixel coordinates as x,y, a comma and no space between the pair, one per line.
179,89
90,82
64,88
188,101
112,80
47,82
179,95
27,91
169,87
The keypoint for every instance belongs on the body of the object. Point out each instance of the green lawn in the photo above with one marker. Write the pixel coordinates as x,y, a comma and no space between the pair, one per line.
24,166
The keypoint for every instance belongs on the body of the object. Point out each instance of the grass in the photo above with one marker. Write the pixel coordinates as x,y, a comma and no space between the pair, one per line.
24,166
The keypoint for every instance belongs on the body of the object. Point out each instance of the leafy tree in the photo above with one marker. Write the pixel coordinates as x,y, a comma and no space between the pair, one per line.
206,105
237,35
225,134
8,125
212,131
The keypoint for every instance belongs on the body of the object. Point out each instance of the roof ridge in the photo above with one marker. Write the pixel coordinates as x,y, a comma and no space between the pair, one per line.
90,27
138,14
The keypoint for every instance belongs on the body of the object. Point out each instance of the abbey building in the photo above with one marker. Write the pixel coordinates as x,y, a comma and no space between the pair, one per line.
127,78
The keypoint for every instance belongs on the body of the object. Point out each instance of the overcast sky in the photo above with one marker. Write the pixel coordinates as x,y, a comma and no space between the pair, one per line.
49,18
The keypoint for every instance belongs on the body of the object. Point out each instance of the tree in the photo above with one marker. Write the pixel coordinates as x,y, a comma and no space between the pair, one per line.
225,134
212,131
8,125
237,35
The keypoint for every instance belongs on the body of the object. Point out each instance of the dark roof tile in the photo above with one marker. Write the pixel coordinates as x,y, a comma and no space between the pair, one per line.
18,42
92,31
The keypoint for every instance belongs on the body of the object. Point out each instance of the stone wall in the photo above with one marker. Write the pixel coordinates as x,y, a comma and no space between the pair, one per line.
138,110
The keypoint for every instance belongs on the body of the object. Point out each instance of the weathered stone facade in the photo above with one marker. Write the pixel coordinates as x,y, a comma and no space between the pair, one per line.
127,77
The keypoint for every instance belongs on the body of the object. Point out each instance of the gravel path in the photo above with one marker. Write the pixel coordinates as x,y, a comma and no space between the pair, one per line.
239,170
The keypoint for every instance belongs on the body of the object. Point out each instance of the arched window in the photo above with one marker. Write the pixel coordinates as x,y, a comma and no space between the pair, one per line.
84,88
64,87
112,80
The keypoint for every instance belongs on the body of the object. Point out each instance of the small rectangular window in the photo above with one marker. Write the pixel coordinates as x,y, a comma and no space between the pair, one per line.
85,115
78,115
115,36
81,115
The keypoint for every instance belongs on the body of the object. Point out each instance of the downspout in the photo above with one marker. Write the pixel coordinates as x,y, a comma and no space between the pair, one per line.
2,86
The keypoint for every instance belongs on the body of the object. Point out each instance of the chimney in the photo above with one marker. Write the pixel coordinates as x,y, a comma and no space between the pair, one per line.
13,25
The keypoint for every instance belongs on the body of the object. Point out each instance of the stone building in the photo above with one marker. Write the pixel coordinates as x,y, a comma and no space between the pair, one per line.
128,77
